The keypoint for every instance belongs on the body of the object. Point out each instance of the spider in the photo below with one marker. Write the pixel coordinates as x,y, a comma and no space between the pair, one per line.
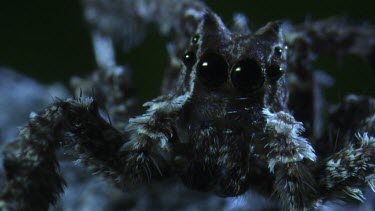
236,114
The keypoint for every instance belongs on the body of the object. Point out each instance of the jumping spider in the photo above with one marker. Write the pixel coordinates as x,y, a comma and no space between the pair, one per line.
224,123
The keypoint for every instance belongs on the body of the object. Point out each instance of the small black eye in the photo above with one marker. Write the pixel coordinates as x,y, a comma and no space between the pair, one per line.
278,52
189,58
212,69
274,71
247,75
195,39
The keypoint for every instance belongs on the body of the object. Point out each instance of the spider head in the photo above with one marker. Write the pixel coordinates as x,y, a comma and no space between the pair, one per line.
231,78
221,66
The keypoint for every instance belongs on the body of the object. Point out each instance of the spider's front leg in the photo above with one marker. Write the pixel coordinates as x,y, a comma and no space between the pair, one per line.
147,154
33,180
287,154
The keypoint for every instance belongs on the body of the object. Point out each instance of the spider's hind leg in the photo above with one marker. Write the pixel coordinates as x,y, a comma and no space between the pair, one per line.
309,41
349,165
343,175
111,84
354,115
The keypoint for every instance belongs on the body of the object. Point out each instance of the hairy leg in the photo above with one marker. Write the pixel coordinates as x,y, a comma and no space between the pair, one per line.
351,167
287,156
33,181
343,175
152,137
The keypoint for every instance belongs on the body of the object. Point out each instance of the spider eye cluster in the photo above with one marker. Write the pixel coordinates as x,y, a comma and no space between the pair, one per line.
246,75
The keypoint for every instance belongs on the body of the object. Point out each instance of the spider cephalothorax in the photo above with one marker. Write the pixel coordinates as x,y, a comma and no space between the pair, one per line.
231,78
224,123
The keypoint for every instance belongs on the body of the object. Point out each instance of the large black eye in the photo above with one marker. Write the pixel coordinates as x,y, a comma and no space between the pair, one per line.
247,75
212,69
278,52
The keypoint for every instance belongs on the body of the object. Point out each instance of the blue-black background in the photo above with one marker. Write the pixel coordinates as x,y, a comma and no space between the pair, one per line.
49,40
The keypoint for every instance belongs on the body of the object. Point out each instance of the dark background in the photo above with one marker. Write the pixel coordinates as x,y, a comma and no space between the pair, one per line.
49,40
